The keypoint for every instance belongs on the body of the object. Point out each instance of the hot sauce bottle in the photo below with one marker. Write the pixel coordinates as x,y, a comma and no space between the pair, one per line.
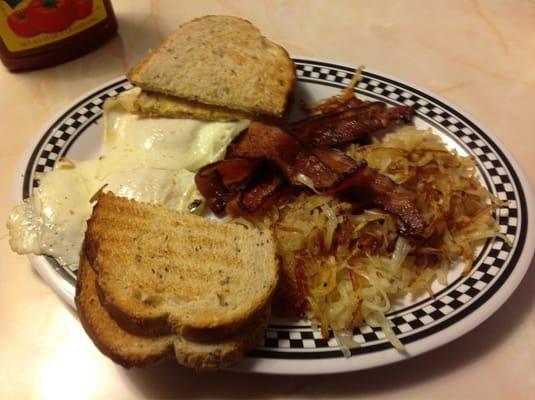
41,33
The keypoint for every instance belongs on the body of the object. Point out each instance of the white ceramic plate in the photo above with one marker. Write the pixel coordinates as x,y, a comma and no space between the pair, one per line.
421,324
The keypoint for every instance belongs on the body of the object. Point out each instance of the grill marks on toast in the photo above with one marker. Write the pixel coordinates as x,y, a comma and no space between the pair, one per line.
160,272
122,347
132,350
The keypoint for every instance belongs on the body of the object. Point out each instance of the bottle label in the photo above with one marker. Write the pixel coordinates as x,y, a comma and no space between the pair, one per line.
27,24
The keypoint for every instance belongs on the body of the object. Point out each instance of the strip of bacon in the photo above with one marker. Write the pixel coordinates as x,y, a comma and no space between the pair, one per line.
253,198
272,143
368,185
328,169
332,107
350,123
236,171
218,182
337,160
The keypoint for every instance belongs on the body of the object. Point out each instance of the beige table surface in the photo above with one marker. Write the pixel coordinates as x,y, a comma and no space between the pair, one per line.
479,55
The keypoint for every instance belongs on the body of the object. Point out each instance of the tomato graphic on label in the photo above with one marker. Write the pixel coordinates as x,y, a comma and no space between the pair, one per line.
50,16
19,23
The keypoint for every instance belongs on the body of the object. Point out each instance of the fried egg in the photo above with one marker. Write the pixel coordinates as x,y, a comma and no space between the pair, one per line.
131,141
152,160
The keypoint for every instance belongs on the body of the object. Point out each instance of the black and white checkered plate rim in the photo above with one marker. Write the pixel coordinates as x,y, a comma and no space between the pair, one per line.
455,309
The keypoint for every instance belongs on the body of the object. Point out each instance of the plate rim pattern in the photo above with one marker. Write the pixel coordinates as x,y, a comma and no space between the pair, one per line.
453,303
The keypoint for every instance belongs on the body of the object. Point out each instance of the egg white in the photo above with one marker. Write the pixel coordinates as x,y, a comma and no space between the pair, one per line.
152,160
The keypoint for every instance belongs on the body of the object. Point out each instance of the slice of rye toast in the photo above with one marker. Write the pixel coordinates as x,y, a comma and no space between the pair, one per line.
131,350
223,61
160,272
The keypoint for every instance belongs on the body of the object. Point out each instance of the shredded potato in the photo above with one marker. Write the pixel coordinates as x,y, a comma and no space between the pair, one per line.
331,103
342,266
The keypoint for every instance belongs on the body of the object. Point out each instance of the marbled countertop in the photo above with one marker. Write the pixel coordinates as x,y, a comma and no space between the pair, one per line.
479,55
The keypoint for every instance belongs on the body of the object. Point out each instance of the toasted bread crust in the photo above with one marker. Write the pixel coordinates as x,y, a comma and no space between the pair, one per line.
243,278
131,350
223,61
123,348
225,352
